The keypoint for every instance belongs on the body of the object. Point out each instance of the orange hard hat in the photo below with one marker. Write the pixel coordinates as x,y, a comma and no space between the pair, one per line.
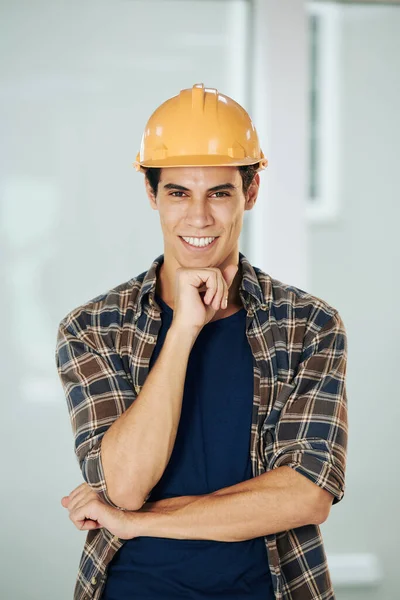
199,127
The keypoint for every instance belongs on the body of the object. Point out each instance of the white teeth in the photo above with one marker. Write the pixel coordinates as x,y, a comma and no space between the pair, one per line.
199,242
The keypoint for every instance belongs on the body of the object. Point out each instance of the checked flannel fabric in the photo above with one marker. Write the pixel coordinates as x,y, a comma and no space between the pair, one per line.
299,345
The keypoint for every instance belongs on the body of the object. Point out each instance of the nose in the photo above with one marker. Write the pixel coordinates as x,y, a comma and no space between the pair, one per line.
198,214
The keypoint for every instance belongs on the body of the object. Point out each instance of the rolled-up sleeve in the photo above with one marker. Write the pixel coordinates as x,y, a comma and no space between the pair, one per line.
312,430
96,393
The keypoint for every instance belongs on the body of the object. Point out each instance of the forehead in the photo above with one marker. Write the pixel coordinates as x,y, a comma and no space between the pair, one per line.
200,176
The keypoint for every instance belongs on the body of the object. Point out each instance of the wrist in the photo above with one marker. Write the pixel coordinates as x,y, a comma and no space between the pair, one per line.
143,523
183,334
150,519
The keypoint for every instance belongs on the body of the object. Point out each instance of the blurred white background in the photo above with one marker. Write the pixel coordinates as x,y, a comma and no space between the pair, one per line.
78,81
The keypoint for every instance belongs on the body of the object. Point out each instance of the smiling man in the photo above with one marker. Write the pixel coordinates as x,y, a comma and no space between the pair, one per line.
207,399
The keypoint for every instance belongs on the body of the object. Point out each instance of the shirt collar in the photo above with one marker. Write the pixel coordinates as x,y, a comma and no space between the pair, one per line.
255,292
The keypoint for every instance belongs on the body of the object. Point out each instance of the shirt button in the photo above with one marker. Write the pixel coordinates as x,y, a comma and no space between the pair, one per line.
151,301
93,581
151,339
114,538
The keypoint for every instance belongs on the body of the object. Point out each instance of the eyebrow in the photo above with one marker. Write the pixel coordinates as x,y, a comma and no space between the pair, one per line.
223,186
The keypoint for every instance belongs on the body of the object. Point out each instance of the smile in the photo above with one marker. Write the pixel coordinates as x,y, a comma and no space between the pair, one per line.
198,244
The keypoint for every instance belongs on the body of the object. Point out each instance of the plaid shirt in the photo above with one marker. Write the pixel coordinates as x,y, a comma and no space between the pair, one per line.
299,345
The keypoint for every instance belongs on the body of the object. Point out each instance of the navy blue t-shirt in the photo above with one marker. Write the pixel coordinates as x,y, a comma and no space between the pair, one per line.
211,451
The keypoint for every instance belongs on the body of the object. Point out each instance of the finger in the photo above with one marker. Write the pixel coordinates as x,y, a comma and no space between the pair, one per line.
219,294
76,501
80,501
76,491
89,524
212,287
80,514
80,505
224,302
82,497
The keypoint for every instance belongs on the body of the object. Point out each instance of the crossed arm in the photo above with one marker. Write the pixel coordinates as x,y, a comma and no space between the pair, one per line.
306,466
275,501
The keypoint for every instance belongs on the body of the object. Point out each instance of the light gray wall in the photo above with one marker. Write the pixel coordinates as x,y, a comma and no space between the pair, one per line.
355,264
278,233
78,81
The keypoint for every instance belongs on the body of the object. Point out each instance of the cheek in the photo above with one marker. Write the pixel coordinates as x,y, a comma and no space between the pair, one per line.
236,220
170,219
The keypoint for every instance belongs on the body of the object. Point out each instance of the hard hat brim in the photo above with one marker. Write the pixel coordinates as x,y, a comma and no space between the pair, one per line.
200,161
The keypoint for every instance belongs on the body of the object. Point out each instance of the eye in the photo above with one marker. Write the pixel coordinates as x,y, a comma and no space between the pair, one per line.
179,194
224,193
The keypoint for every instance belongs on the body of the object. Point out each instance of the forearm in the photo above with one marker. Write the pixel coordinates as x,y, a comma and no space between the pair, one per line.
275,501
136,449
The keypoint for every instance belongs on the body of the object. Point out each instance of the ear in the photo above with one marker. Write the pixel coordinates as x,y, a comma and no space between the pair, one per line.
252,192
150,194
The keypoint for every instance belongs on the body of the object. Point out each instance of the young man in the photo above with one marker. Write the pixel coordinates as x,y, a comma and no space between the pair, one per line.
207,399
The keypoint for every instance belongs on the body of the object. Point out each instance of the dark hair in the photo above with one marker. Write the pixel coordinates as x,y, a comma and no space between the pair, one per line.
247,173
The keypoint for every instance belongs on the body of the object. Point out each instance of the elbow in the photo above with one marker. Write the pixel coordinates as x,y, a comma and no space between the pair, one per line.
323,515
126,501
325,505
115,487
123,496
322,507
318,518
111,491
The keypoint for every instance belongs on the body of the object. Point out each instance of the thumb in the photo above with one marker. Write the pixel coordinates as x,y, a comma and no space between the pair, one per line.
229,274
